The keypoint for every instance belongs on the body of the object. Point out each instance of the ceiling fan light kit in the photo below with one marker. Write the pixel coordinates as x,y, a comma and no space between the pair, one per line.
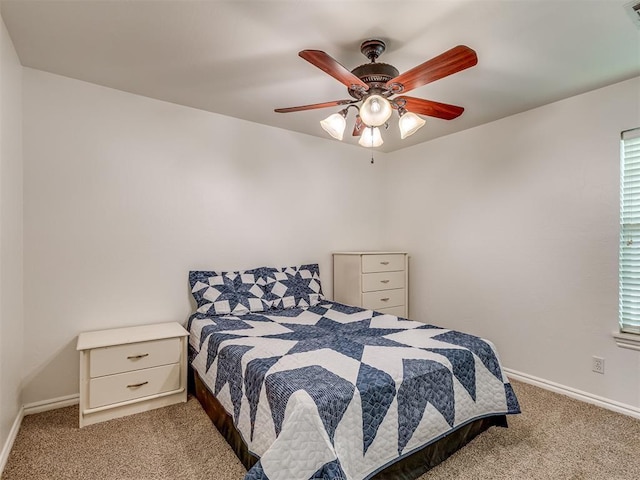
371,137
409,124
335,123
374,86
375,111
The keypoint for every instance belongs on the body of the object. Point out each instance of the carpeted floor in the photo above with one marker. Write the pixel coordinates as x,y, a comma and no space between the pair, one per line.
554,438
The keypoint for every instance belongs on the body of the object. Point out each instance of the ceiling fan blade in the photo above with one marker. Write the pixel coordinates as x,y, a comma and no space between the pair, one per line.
313,106
330,66
452,61
358,127
430,108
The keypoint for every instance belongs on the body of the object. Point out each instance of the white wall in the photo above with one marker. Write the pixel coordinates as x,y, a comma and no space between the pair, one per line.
513,231
512,226
125,194
10,235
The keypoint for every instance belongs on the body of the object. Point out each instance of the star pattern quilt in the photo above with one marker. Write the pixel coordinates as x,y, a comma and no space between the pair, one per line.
337,392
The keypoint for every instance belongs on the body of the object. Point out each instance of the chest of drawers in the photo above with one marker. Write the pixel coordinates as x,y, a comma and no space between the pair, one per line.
130,370
374,280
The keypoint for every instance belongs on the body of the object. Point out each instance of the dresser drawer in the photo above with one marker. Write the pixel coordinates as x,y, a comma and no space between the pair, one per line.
131,385
397,311
382,263
382,281
383,299
133,356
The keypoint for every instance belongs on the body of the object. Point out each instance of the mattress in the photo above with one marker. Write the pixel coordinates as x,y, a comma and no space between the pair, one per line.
339,392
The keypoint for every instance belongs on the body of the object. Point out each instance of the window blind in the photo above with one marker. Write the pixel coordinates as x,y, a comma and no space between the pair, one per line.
629,256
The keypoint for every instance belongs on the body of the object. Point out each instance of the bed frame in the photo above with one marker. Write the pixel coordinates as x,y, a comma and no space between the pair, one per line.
409,468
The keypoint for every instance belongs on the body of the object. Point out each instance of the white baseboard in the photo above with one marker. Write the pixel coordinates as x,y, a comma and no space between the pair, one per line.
51,404
29,409
575,393
8,445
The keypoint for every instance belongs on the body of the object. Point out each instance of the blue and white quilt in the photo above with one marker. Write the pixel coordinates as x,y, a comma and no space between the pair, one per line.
336,392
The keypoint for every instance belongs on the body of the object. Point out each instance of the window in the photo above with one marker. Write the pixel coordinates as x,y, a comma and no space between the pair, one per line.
629,260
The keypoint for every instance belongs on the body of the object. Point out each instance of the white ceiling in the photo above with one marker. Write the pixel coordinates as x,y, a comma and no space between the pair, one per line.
239,58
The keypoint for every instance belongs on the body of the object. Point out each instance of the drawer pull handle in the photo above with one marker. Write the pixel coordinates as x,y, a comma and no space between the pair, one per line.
136,357
136,385
384,281
384,299
384,263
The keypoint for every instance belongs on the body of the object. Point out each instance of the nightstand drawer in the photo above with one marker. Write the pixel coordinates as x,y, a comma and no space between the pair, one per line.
133,356
382,263
382,281
131,385
397,311
383,299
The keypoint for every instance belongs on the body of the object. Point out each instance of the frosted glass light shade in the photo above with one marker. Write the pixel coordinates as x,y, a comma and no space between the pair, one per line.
334,125
409,124
375,111
371,137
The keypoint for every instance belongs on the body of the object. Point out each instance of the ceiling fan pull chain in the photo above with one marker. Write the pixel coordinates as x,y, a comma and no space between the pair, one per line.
371,146
372,149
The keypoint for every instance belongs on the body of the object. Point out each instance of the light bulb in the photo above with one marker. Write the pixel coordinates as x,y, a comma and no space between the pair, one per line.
409,124
375,111
334,125
371,137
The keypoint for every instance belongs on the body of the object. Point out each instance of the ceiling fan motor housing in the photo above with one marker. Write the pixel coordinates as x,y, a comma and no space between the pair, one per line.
376,75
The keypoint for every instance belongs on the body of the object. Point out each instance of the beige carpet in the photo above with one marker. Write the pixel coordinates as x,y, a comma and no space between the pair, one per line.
555,438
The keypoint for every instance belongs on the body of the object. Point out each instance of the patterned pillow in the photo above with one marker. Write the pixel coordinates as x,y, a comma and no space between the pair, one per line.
290,287
221,293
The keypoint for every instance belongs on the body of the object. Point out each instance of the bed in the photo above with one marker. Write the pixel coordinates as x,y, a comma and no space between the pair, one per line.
305,388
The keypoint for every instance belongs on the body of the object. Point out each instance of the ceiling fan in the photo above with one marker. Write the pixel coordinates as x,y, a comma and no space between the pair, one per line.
379,89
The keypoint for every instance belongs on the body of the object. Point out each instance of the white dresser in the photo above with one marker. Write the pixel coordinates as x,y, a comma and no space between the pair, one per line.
131,370
374,280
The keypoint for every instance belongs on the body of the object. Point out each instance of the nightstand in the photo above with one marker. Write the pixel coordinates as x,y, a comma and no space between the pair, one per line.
131,370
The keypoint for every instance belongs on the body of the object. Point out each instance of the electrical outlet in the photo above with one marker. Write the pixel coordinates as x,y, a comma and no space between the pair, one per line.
597,364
